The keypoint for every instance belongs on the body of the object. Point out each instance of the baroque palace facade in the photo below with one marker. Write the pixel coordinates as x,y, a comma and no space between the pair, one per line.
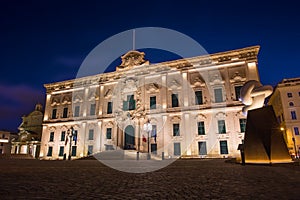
286,103
192,105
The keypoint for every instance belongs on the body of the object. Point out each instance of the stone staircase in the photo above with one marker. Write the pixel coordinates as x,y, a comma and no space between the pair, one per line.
124,155
16,156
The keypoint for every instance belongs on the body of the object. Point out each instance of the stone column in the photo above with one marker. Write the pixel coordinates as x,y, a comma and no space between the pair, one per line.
99,137
164,92
166,140
185,90
187,135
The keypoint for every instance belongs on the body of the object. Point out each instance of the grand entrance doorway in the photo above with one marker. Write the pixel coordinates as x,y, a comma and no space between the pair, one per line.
129,140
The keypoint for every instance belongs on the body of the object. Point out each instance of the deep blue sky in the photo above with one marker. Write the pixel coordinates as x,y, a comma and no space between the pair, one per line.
46,41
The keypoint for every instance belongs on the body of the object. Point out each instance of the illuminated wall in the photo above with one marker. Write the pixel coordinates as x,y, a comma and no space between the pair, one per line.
100,107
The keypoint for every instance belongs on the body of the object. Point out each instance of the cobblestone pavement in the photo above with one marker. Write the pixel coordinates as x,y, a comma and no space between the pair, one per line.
183,179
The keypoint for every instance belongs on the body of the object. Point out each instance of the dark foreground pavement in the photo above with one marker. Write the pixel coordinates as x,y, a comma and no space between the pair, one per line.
184,179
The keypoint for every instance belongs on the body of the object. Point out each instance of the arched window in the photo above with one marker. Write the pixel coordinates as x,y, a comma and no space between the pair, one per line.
291,104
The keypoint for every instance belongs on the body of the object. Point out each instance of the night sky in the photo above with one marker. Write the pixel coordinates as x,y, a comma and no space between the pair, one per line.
46,41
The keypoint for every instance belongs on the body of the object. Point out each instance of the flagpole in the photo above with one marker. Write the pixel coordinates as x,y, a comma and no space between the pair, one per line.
133,39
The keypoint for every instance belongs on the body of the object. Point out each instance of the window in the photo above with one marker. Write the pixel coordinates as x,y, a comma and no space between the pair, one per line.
293,114
154,149
218,95
109,107
61,151
198,98
221,126
237,92
291,104
223,147
108,133
93,109
76,112
129,104
243,125
289,94
176,131
75,136
175,100
202,148
91,134
51,137
154,132
177,149
62,136
296,130
90,149
49,151
299,94
65,113
201,130
74,150
54,111
153,102
278,119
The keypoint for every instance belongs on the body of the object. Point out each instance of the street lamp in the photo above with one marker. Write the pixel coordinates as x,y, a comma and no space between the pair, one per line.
296,155
70,135
293,139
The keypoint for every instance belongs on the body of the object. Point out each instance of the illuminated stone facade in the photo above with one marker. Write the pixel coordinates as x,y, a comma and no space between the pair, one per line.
286,103
29,136
192,104
5,142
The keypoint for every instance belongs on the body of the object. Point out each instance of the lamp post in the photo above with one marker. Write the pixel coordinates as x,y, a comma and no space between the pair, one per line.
296,154
293,139
70,134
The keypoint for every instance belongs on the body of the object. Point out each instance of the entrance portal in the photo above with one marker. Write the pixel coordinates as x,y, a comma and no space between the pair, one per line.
129,141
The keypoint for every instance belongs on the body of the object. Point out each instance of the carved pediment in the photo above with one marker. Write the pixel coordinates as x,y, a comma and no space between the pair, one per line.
66,99
220,115
197,82
130,85
132,58
174,85
239,113
237,77
215,79
200,116
175,118
93,95
55,101
77,98
108,94
152,88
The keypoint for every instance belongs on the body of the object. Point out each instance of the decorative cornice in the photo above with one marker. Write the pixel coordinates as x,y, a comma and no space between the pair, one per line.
143,67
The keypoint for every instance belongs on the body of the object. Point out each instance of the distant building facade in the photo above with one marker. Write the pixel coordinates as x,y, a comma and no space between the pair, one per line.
5,145
286,103
192,104
29,135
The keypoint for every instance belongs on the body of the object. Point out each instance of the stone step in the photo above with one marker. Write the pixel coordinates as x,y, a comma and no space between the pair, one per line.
16,156
123,155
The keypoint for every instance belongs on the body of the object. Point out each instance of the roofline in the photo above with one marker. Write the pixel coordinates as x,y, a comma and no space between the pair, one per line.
214,56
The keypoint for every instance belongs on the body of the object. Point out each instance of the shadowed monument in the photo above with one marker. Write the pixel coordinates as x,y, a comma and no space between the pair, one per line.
263,141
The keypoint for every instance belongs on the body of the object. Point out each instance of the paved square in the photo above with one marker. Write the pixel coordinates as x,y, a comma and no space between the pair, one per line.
183,179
